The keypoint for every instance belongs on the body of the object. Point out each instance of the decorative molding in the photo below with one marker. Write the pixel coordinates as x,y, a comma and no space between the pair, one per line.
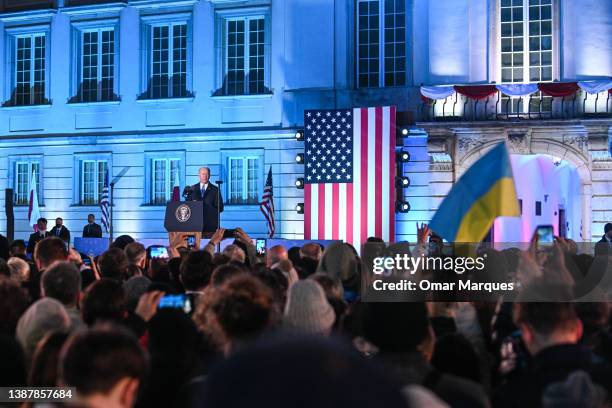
519,141
600,155
162,4
29,17
440,162
578,141
440,158
96,11
602,165
469,141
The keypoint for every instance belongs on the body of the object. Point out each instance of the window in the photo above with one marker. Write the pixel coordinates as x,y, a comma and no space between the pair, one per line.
526,40
92,176
30,63
540,40
165,174
526,48
22,180
168,60
245,55
381,43
97,65
244,179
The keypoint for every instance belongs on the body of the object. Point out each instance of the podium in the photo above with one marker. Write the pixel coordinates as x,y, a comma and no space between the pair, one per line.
91,246
184,218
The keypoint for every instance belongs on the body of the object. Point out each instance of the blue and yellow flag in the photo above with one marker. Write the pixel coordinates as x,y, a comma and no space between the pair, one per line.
484,192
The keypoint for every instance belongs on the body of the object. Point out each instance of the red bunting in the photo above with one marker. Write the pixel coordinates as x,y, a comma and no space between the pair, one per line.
476,91
558,89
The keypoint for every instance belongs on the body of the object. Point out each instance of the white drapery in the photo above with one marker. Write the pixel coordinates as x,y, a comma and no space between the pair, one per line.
437,92
517,89
595,87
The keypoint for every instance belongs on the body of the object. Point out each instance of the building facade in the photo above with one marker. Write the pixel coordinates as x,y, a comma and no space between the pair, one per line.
151,90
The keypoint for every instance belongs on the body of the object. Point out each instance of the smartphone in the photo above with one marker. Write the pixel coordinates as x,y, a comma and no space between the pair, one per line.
191,241
229,233
159,252
545,234
260,246
85,259
182,302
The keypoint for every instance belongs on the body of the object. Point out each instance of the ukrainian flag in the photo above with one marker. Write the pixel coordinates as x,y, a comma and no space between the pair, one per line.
484,192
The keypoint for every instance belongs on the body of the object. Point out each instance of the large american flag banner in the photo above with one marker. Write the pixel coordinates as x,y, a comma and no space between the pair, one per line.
104,202
349,191
267,205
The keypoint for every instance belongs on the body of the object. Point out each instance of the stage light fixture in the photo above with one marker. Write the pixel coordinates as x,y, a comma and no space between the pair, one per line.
402,182
299,183
404,131
299,135
299,158
299,208
403,156
402,206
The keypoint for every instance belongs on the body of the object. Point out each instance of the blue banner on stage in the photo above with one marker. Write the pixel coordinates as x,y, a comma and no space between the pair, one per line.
91,246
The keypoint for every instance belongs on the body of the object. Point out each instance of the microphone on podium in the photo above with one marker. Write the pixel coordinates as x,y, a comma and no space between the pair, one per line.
188,193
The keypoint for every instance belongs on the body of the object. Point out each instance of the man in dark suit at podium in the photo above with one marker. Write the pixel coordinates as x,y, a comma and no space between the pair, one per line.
60,230
38,236
92,230
208,193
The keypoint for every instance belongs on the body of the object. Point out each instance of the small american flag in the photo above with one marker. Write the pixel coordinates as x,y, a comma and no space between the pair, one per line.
349,191
267,204
104,203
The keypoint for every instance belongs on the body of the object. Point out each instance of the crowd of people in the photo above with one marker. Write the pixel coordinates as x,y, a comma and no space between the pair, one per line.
234,328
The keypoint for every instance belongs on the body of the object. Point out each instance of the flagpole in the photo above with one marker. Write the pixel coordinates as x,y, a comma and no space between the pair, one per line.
110,219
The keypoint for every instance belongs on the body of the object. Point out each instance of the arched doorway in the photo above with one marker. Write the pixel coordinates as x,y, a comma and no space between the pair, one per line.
548,189
553,183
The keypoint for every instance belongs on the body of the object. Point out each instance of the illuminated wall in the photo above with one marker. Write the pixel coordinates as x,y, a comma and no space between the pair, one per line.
311,64
587,39
556,187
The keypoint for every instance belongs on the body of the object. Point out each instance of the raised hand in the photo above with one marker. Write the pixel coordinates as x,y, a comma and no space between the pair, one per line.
423,233
217,236
147,304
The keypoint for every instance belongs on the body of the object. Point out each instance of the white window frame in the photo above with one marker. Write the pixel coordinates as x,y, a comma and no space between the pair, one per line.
100,32
223,16
247,56
79,30
149,158
30,161
148,23
169,180
497,51
96,192
32,37
244,155
170,61
526,50
11,35
381,46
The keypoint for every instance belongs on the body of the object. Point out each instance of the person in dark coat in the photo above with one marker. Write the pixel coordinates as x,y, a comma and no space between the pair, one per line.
92,230
551,332
4,248
60,230
604,245
38,236
211,196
